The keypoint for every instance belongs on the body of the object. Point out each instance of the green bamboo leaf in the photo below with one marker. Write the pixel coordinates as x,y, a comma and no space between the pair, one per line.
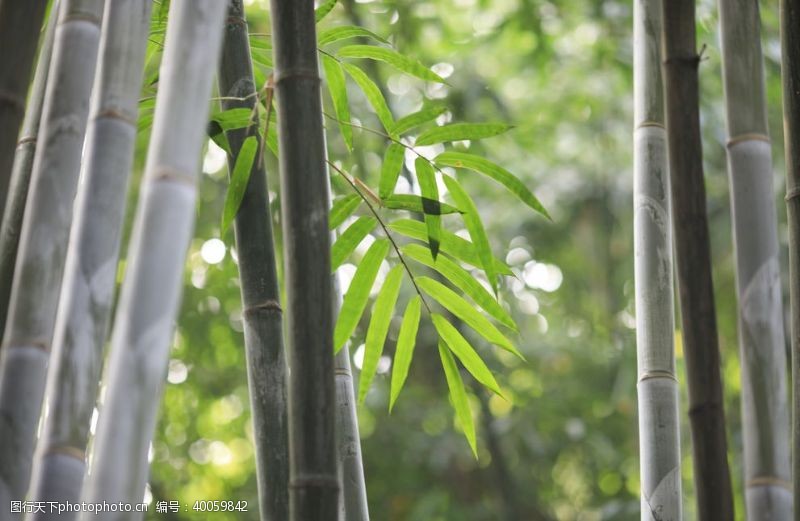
239,178
351,238
393,58
460,132
463,280
477,233
346,32
418,118
390,170
453,245
430,203
465,353
372,93
458,396
355,300
378,328
323,10
496,172
214,131
338,90
233,119
263,58
404,352
415,203
468,314
342,209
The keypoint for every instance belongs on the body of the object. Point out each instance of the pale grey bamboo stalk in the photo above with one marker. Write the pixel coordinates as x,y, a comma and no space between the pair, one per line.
11,225
659,436
765,411
43,244
90,273
163,227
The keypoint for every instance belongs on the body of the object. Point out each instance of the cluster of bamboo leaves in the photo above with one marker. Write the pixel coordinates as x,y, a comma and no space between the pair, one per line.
384,213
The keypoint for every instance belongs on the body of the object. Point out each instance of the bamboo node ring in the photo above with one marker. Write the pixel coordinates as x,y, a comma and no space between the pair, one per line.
115,114
792,194
296,73
343,372
81,17
26,344
741,138
649,124
768,481
236,20
25,140
315,480
267,305
171,174
67,450
648,375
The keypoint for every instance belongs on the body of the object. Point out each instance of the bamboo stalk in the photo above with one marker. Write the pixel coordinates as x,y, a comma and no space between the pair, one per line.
790,72
20,24
90,273
43,244
765,411
690,228
659,435
163,227
314,486
262,317
11,225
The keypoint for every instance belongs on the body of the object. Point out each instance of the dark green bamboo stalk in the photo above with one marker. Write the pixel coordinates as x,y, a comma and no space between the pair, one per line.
43,244
11,225
314,486
20,24
690,223
262,316
790,47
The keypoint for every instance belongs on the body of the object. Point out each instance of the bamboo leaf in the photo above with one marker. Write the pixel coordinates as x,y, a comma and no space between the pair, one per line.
338,90
415,203
463,280
358,293
346,32
404,352
378,328
465,353
460,132
477,233
393,58
468,314
351,238
453,245
342,209
494,171
418,118
239,179
390,170
458,396
233,119
430,203
214,131
323,10
372,93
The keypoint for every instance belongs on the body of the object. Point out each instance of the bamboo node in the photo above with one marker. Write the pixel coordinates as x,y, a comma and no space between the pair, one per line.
647,123
343,372
768,481
741,138
115,114
67,450
792,194
25,140
79,16
31,344
267,305
648,375
315,480
170,174
236,20
295,73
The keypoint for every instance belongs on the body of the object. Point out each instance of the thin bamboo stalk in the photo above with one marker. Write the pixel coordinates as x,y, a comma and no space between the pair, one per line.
314,485
90,273
20,23
765,411
659,433
262,316
163,227
43,244
11,225
790,72
690,228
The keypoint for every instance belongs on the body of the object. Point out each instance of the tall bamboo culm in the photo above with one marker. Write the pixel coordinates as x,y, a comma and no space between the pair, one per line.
765,411
693,252
20,24
790,72
659,435
314,485
262,316
164,222
43,244
11,225
90,272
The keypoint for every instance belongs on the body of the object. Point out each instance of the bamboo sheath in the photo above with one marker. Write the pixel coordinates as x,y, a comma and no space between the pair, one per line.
693,256
314,484
659,437
262,317
163,227
11,225
91,266
43,244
